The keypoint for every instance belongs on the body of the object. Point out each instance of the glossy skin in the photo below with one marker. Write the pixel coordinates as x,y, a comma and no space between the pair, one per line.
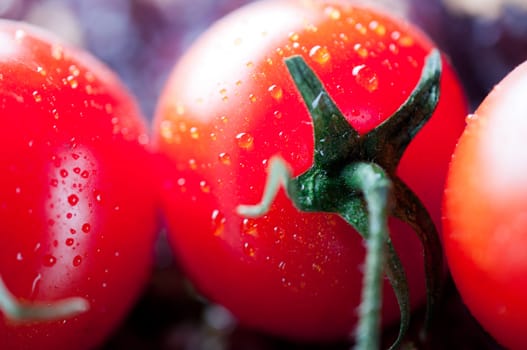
485,204
77,216
230,105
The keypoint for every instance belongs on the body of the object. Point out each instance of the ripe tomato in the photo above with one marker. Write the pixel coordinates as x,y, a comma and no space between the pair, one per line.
484,212
230,105
77,217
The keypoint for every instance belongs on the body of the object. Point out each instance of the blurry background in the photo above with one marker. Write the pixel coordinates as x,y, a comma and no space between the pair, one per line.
142,39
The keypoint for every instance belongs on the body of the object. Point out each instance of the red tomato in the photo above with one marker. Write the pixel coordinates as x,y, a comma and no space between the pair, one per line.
485,212
78,216
230,105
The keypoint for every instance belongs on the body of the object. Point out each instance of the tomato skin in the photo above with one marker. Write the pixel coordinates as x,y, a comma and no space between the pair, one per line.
484,212
78,218
230,105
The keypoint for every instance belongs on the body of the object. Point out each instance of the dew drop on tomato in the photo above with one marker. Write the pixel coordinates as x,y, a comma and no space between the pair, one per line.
49,260
77,260
250,227
86,228
73,199
37,96
276,92
224,158
320,54
72,82
245,140
366,77
218,222
98,197
249,250
204,186
194,133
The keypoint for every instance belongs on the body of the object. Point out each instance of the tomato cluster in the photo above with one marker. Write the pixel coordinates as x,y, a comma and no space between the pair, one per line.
300,151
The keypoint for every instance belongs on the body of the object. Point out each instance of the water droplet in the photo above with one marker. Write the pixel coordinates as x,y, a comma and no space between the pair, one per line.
86,228
366,77
77,170
361,50
293,36
280,233
378,28
218,222
63,173
248,249
49,260
70,242
37,96
73,83
276,92
245,140
166,129
97,195
224,119
361,28
252,98
194,133
320,54
332,13
69,215
77,260
393,48
85,174
192,164
277,114
41,71
406,41
73,231
73,199
74,70
35,285
316,267
250,227
204,186
470,117
224,158
55,114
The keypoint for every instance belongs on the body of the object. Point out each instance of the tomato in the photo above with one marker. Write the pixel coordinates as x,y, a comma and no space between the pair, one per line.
230,105
484,212
77,216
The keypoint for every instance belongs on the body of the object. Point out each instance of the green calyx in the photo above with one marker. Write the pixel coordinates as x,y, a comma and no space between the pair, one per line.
355,177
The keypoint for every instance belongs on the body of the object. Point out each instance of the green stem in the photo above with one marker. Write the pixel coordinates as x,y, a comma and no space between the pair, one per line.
375,185
22,312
